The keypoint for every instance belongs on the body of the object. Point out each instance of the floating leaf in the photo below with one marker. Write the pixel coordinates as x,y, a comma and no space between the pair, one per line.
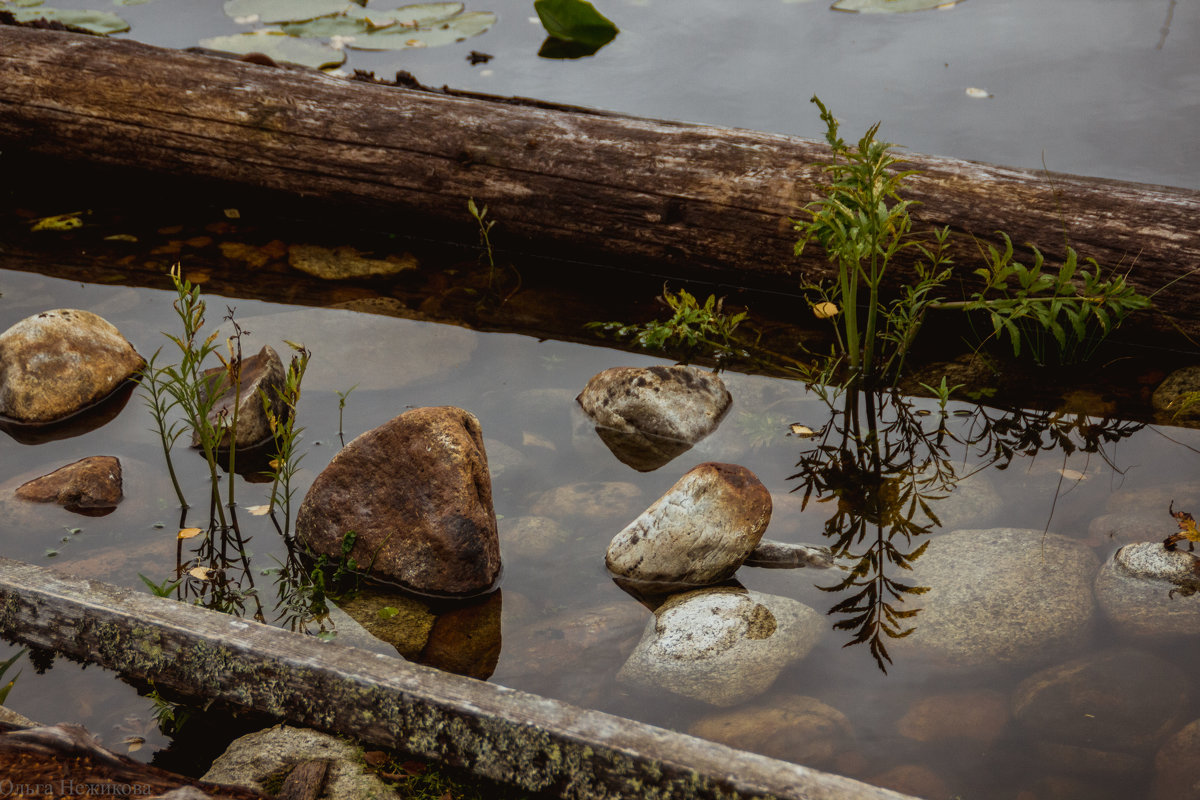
420,15
130,2
272,11
327,27
280,47
825,310
387,612
98,22
22,3
803,431
891,6
188,533
259,511
59,222
121,237
1072,474
200,573
575,21
455,29
978,93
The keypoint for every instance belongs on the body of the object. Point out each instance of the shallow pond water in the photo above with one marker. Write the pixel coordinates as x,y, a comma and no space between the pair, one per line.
565,628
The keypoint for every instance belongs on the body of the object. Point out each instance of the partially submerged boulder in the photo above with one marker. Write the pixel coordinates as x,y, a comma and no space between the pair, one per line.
721,645
417,497
696,534
648,416
87,485
260,375
1147,590
58,363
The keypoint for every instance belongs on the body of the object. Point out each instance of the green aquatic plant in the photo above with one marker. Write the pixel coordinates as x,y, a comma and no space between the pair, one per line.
863,225
286,435
485,238
4,667
692,326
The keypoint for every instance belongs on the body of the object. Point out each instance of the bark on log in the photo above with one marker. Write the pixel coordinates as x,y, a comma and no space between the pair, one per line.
692,201
64,761
506,735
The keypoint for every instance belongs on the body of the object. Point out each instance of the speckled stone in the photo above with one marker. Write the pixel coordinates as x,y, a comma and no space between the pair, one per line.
1147,590
649,415
696,534
721,645
57,363
1000,596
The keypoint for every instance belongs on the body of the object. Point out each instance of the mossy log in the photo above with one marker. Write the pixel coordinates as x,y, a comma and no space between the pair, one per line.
534,742
690,201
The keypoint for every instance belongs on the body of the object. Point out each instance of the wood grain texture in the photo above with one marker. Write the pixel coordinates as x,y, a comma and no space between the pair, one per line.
692,201
506,735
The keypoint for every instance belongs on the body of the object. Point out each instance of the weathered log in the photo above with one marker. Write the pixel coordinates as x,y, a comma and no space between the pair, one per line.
66,761
506,735
693,201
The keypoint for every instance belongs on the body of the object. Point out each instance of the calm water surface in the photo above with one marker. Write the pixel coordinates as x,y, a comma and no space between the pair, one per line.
566,628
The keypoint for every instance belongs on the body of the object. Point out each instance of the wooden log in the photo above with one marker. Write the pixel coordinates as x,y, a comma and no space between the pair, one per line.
506,735
63,761
692,201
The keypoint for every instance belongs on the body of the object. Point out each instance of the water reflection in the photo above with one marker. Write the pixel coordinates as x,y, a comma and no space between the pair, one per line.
887,461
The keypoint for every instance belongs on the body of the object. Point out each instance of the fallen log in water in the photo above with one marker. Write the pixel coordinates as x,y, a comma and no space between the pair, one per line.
514,737
691,201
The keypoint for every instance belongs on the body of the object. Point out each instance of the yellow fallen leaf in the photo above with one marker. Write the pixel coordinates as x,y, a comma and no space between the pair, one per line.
134,743
200,573
803,431
825,310
1073,474
59,222
188,533
259,511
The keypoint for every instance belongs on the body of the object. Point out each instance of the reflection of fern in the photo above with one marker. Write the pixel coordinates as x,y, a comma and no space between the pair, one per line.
872,497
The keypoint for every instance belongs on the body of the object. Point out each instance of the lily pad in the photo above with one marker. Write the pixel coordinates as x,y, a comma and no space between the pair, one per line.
272,11
99,22
278,46
325,27
20,3
421,15
891,6
130,2
455,29
575,21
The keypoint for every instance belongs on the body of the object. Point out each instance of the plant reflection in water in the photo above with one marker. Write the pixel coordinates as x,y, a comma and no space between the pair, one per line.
886,460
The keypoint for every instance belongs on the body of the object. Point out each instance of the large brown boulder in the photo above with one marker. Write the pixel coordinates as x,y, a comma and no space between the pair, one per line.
57,363
417,493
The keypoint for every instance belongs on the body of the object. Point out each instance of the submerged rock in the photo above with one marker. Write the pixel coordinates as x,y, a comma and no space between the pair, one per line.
89,484
1170,397
648,416
696,534
1000,596
257,759
417,494
59,362
1177,766
977,716
1118,703
589,500
721,645
1148,590
261,375
791,727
